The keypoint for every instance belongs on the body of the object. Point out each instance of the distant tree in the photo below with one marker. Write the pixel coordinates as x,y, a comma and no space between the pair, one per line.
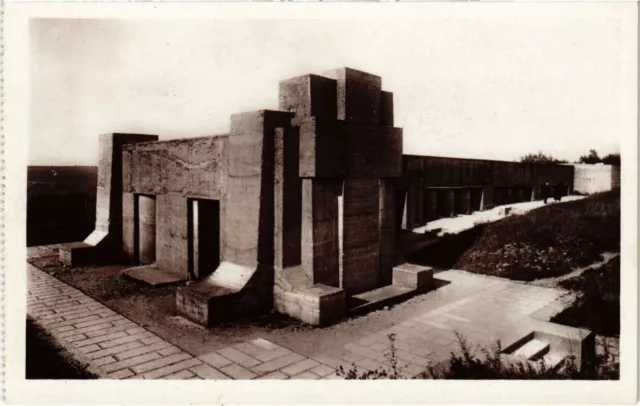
611,159
541,158
592,158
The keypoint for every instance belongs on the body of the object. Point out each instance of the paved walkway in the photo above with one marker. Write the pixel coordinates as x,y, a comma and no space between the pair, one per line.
115,347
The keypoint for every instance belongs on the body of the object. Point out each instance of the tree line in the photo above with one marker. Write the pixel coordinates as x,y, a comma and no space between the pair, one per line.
591,158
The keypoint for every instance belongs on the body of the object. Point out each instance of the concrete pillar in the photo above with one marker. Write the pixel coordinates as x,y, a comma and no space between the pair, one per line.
320,235
361,235
249,198
430,204
146,229
287,199
487,197
387,227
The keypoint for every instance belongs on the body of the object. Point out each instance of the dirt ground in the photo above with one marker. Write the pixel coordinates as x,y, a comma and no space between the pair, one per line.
154,309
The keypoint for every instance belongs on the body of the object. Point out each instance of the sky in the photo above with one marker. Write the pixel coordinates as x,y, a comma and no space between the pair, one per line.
493,88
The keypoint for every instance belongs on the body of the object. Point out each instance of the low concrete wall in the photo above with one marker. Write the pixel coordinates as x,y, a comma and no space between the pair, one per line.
594,178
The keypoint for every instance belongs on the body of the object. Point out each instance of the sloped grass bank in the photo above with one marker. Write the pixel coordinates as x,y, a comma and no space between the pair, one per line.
597,306
547,242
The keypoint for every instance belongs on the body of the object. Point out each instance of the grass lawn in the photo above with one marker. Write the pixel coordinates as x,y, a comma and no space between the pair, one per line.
546,242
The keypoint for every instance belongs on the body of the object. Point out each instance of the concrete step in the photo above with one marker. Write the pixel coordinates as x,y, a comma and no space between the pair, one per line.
532,350
379,298
554,359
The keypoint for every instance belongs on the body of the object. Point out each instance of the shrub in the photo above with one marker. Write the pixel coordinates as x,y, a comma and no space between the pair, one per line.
547,242
489,363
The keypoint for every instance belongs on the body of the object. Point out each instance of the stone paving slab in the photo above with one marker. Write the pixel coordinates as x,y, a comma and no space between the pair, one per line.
115,347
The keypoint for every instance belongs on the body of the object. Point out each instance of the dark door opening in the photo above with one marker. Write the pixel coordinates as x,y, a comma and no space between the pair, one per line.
145,229
204,237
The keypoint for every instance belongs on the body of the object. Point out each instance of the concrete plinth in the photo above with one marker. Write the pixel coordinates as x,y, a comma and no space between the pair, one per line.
317,305
412,276
77,254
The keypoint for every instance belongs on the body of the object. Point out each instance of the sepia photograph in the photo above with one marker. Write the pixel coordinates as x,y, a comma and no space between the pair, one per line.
334,199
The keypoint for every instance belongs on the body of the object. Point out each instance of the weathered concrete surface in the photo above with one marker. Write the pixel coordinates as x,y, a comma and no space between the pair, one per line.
153,276
359,95
338,149
193,167
173,238
309,96
147,229
107,237
243,284
361,236
320,237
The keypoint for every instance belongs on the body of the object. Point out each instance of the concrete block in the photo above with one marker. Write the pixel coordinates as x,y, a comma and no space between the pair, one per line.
336,149
309,96
413,276
316,305
77,254
323,148
359,95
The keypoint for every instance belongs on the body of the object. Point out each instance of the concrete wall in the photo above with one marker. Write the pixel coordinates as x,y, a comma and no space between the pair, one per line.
441,187
172,171
594,178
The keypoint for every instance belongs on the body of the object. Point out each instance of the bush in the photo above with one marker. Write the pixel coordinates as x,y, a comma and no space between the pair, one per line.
597,306
549,241
489,363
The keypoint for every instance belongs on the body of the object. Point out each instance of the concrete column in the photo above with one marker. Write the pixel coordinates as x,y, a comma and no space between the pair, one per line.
146,229
430,204
361,235
287,199
320,247
387,227
487,197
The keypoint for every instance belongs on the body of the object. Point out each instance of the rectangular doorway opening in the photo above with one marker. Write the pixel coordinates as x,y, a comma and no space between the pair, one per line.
204,237
145,229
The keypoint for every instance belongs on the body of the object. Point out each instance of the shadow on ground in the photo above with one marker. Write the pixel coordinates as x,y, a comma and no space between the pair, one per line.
46,360
447,250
